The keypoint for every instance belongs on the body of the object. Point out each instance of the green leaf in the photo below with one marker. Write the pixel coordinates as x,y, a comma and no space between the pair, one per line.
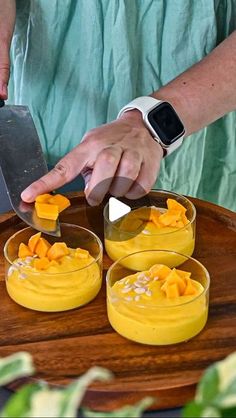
210,412
208,388
130,411
19,404
227,371
228,413
74,393
227,398
46,403
15,366
192,409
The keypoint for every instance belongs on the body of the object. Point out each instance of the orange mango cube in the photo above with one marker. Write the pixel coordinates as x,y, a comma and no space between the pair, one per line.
43,198
42,247
57,250
173,277
59,200
47,211
41,263
190,289
159,270
169,217
172,291
49,206
24,251
173,204
33,241
81,253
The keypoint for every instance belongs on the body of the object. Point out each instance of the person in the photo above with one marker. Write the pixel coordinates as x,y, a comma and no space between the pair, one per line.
77,63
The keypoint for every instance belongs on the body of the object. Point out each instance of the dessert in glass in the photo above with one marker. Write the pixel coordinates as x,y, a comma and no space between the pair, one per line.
160,305
168,224
53,274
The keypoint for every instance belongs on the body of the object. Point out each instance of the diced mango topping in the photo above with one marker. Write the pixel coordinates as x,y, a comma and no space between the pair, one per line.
33,241
181,281
152,218
47,254
172,291
61,201
47,211
173,283
173,204
81,253
160,271
43,198
49,206
173,278
42,247
41,263
24,251
155,217
190,289
170,217
57,250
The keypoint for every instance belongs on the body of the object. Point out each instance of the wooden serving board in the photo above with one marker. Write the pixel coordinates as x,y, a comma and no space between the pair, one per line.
64,345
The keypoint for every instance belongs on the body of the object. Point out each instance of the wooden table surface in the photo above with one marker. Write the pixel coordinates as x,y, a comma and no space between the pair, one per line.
66,344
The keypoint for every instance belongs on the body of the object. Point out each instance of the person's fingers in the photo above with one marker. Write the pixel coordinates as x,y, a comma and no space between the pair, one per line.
102,175
64,172
4,71
86,174
127,172
144,182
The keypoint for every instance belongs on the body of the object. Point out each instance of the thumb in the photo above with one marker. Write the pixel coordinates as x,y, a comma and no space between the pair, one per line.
4,71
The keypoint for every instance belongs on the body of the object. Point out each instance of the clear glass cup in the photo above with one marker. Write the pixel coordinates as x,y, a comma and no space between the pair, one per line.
57,291
161,321
120,242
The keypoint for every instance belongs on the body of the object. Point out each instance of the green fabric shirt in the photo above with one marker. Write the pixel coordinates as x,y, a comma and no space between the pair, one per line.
77,62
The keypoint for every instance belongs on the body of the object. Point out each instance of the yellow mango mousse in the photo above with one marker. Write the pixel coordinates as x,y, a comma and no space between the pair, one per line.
54,277
151,228
158,307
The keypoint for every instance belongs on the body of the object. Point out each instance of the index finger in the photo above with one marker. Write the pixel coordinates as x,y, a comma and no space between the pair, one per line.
63,172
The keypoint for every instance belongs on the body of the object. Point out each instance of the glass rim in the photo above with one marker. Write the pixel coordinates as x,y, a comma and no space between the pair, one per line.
205,290
98,257
134,234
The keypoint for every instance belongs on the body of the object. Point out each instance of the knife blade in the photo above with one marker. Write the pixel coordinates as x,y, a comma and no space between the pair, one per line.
22,162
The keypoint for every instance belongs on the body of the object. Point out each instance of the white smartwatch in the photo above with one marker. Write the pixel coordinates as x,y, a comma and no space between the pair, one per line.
161,119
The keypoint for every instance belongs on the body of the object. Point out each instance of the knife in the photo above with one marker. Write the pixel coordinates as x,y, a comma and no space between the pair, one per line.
22,162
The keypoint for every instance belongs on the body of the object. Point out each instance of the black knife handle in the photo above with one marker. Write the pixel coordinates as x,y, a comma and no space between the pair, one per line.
2,103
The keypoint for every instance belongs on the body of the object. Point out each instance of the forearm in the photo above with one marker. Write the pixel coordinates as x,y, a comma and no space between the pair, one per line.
206,91
7,23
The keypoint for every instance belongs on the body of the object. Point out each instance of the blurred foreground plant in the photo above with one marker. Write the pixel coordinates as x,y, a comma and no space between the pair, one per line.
41,400
216,392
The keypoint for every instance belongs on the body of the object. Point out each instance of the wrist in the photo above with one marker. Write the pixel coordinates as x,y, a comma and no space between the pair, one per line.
159,118
134,116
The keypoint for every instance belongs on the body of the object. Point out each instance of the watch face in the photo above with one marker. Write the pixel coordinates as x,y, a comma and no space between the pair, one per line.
166,123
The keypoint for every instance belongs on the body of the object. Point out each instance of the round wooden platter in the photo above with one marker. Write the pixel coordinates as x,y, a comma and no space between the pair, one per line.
64,345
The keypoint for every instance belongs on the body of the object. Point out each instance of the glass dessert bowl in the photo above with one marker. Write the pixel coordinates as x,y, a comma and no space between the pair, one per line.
53,274
167,224
161,305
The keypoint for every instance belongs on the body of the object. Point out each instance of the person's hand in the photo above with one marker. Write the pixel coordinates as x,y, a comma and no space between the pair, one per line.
120,157
4,70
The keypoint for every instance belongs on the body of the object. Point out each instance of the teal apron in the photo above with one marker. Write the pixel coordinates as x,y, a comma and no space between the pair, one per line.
77,62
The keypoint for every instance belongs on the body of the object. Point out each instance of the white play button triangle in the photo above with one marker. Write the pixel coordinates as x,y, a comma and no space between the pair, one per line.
117,209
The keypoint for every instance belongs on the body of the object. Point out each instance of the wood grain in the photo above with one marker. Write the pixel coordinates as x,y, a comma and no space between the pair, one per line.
64,345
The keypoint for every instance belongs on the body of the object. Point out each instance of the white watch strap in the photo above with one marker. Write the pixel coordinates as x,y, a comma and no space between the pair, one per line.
143,104
173,147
